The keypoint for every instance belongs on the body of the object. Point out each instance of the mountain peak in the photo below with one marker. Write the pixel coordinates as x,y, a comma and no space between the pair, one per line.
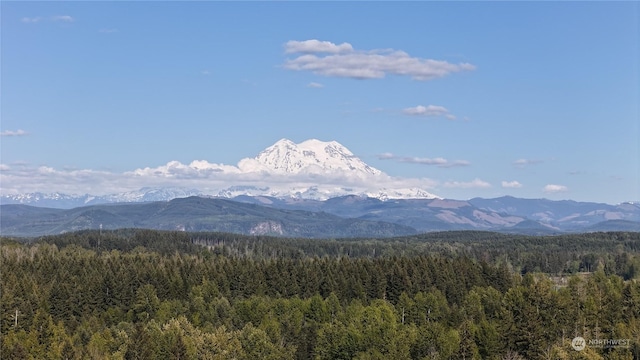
312,169
315,143
312,156
284,142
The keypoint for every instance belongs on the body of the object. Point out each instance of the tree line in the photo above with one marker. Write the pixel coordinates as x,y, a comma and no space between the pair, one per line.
139,294
569,253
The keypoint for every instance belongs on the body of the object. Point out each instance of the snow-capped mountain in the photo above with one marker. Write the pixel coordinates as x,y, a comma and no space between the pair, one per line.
312,156
53,200
65,201
334,169
151,194
312,169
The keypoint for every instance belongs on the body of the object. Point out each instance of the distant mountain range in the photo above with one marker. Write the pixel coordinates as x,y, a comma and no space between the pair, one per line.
66,201
312,169
191,214
508,214
316,189
347,216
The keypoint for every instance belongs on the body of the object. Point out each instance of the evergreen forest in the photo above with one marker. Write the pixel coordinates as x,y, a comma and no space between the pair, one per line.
145,294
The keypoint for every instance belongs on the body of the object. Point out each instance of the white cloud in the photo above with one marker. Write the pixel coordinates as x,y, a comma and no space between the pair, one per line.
315,85
553,188
511,184
208,177
175,169
440,162
25,178
430,110
108,31
31,20
4,167
316,46
424,161
344,61
457,163
474,184
18,132
386,156
525,162
63,18
56,18
205,72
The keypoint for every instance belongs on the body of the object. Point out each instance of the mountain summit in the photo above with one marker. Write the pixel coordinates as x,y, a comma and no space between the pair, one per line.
312,169
311,156
321,170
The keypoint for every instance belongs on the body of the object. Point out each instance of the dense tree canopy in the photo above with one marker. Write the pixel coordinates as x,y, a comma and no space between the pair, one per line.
139,294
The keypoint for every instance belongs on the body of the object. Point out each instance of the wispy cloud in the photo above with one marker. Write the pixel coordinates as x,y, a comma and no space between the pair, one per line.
18,132
31,20
62,18
429,110
511,184
328,59
55,18
108,31
316,46
526,162
315,85
205,72
554,188
473,184
439,162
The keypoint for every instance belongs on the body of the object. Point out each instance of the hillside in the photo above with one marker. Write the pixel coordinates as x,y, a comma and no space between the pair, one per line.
347,216
191,214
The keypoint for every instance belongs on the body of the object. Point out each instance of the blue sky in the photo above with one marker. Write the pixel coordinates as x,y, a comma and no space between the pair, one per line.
529,99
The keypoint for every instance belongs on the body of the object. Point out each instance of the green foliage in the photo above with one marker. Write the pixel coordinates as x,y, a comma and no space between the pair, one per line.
157,295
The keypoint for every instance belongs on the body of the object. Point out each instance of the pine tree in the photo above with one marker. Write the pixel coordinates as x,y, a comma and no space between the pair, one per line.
140,347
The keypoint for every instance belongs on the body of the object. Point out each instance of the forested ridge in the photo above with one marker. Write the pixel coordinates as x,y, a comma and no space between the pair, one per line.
141,294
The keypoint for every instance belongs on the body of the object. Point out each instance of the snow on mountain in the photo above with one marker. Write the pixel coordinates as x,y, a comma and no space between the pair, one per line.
334,169
44,199
311,156
151,194
409,193
319,170
64,201
312,169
